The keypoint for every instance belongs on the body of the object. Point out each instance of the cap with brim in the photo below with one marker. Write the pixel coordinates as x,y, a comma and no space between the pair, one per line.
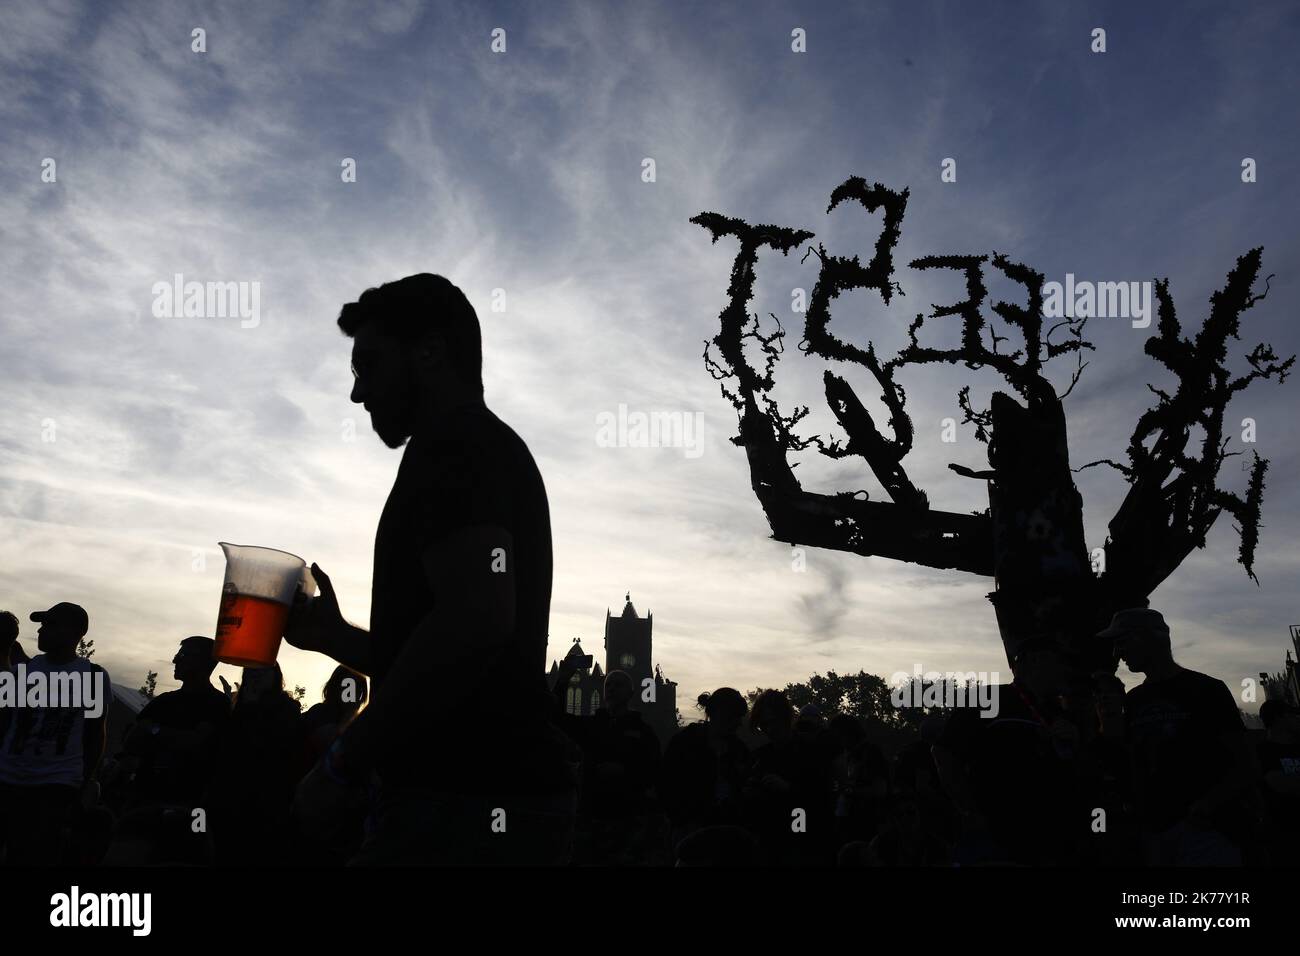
1134,620
72,616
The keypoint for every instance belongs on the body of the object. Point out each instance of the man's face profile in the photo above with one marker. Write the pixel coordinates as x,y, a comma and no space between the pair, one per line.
384,383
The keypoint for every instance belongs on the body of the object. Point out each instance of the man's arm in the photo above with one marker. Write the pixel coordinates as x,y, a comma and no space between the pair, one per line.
472,571
350,646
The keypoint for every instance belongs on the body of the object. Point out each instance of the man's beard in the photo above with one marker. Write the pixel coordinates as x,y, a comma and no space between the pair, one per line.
392,436
396,427
395,431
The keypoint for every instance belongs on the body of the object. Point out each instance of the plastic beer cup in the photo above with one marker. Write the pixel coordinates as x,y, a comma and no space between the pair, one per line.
255,599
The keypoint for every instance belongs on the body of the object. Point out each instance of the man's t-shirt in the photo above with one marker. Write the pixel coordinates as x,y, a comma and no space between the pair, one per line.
1172,725
45,745
472,471
181,775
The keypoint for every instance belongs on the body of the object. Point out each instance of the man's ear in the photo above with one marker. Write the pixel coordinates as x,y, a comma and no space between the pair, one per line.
430,352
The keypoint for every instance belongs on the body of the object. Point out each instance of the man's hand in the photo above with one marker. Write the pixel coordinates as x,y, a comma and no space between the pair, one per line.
315,623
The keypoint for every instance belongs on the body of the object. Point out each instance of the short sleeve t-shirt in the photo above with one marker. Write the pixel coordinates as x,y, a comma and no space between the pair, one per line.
473,471
1172,725
45,744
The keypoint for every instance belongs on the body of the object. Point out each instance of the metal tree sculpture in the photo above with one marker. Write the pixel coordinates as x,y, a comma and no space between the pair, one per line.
1030,540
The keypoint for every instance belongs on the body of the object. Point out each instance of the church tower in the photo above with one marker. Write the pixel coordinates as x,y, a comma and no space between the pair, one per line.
627,643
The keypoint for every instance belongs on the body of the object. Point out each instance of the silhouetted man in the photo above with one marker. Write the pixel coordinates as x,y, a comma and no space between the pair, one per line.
176,733
51,748
457,726
174,742
1191,761
1279,760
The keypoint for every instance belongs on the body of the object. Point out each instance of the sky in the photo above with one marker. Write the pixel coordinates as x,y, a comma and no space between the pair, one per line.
131,443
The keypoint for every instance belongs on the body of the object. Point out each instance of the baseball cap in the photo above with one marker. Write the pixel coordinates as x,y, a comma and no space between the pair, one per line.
65,614
1135,619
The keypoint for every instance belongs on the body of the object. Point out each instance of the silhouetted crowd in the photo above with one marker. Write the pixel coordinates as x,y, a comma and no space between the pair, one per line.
1066,772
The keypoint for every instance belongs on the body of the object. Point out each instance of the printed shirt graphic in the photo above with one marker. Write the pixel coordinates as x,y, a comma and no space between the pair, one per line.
43,745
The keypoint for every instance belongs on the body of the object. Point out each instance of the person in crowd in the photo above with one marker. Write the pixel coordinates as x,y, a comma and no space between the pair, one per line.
904,839
50,754
863,800
789,790
343,695
460,602
618,815
1279,760
254,774
1013,775
1193,768
705,767
11,652
173,746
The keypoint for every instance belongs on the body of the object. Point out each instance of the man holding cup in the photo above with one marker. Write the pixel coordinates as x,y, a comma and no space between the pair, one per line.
457,731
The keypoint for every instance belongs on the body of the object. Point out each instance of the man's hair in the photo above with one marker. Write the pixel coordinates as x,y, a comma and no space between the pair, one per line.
771,706
8,626
207,645
723,701
410,308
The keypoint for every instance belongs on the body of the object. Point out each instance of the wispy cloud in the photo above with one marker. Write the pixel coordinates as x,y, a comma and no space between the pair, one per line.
133,444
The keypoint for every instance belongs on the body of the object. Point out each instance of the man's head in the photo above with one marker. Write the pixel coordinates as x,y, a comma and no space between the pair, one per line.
416,345
258,683
62,626
1141,638
772,714
1280,719
725,709
194,660
619,691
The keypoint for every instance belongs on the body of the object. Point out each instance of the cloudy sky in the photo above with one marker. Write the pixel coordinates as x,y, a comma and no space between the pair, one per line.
132,444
